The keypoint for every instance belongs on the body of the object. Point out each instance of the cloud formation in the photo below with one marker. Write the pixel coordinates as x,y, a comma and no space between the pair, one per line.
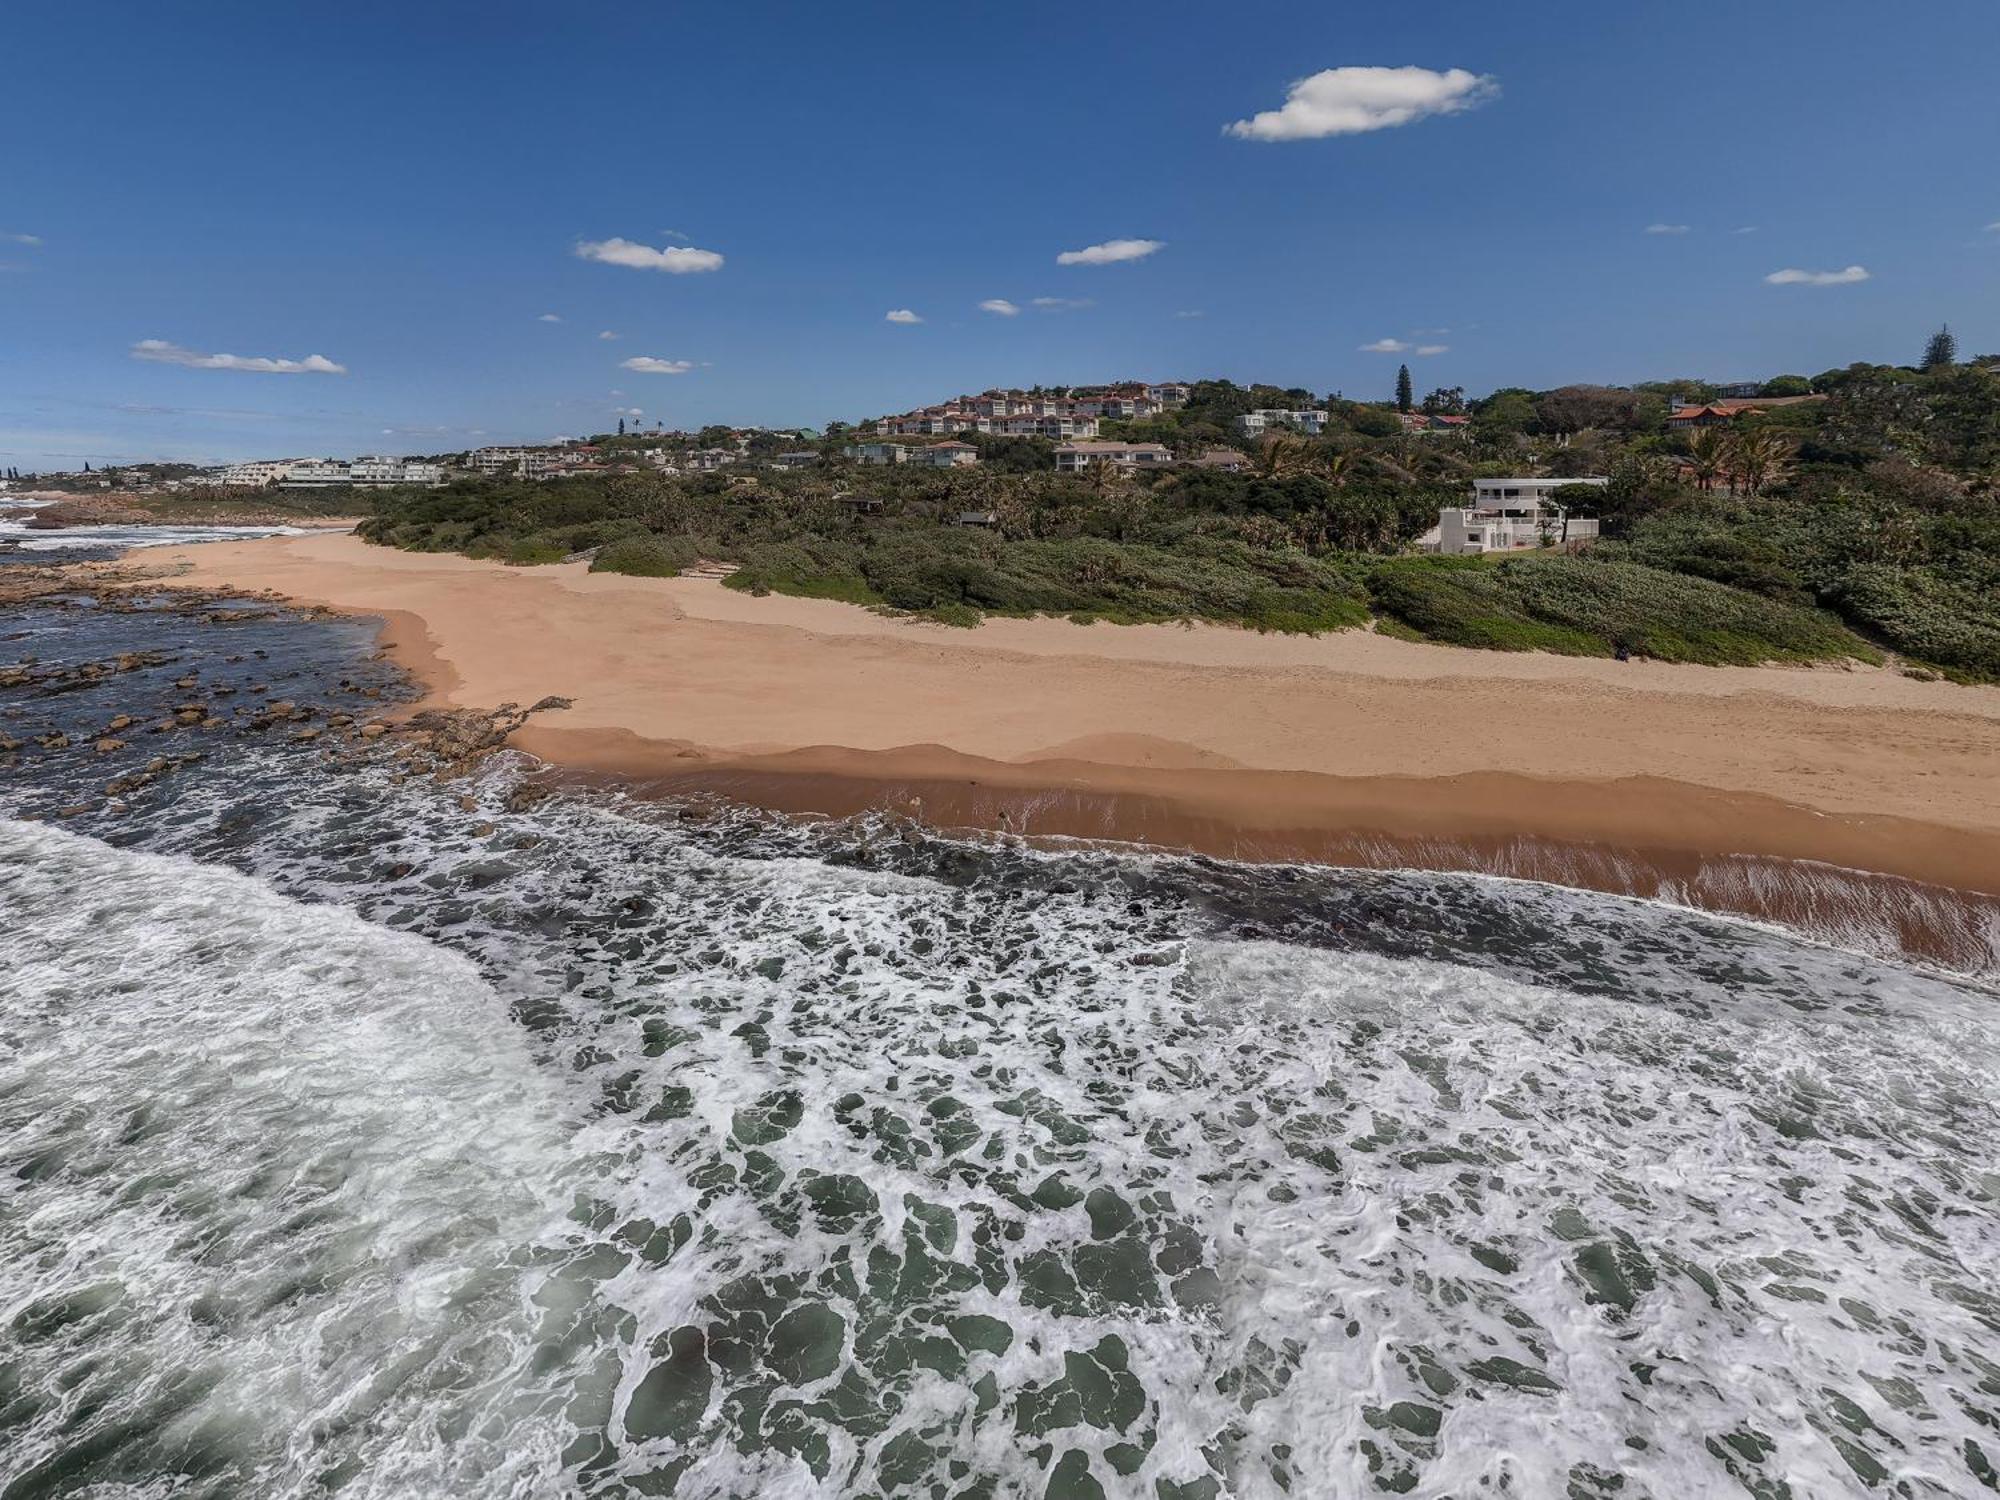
1428,349
1190,312
901,315
675,260
159,351
1793,276
1001,306
1385,346
21,239
607,334
1351,101
645,364
548,318
1109,253
1666,229
1061,304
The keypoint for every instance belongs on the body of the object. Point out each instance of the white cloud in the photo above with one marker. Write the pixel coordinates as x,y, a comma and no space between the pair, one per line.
645,364
548,318
1191,312
1745,229
1993,228
1001,306
1109,253
607,334
674,234
21,239
1349,101
675,260
1427,349
159,351
1059,304
1666,229
1385,346
628,411
901,315
1793,276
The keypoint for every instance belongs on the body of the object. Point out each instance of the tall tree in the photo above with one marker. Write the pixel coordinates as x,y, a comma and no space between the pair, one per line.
1942,350
621,427
1405,393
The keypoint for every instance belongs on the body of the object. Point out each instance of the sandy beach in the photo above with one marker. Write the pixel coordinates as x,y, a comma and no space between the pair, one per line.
1355,747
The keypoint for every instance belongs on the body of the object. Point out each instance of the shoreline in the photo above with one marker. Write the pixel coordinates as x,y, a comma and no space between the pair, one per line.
1696,784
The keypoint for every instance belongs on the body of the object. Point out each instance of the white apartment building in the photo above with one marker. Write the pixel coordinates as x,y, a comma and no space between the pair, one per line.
803,458
1257,423
1058,429
529,463
256,475
315,474
1172,393
945,456
1509,515
379,470
1072,458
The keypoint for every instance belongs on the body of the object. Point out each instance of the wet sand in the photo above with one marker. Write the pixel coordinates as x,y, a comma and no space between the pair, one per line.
1356,747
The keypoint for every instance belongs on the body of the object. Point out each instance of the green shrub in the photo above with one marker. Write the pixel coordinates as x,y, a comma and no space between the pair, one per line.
1941,622
1580,606
528,551
644,556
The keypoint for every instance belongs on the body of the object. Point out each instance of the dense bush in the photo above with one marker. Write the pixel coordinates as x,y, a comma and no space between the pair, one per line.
1581,606
645,556
1941,623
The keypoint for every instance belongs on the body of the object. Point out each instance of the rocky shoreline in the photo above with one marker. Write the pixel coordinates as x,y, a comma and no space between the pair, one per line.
211,695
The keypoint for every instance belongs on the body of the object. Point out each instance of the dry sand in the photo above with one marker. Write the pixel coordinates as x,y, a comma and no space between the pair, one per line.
1195,736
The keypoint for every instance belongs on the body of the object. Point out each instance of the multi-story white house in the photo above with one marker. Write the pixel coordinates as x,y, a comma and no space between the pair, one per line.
1509,515
803,458
378,470
944,456
1172,393
315,474
1266,419
1072,458
1059,429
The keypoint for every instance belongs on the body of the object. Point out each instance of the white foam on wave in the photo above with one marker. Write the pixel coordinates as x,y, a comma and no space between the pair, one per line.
894,1181
109,534
269,1170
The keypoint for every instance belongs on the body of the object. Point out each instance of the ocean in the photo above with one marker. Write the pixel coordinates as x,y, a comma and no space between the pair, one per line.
370,1135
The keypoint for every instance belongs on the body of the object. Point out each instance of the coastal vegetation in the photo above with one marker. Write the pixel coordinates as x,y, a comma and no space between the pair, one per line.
1862,521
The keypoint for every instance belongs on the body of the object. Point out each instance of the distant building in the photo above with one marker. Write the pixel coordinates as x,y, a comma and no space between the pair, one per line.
878,453
1171,394
1509,515
1267,419
1227,460
945,456
804,458
1072,458
1741,389
529,463
1057,429
258,475
1687,416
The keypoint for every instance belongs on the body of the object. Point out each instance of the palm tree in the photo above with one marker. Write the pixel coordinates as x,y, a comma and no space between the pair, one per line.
1759,457
1708,457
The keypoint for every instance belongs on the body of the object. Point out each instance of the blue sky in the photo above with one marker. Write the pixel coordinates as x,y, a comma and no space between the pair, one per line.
402,190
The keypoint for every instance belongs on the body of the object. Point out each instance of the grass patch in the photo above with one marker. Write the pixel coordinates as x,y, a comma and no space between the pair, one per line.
644,557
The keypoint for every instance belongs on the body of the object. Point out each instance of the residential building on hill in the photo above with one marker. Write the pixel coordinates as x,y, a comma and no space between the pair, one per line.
1685,416
1227,460
256,475
878,453
944,456
1267,419
1072,458
1509,515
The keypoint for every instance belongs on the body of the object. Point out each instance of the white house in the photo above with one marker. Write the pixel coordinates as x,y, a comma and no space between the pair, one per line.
1073,458
945,456
1257,423
878,453
529,463
256,475
1508,515
803,458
